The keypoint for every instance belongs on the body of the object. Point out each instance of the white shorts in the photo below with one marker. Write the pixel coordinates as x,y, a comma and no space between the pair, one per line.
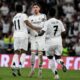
20,43
54,46
37,43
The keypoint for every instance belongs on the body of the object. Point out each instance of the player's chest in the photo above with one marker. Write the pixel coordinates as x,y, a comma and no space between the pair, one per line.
37,20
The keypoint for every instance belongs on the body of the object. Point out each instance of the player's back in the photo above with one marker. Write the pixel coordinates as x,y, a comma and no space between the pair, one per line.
19,24
54,28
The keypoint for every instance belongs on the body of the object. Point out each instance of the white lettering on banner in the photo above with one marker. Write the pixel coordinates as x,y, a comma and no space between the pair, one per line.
5,60
26,62
44,63
77,63
68,62
71,62
45,58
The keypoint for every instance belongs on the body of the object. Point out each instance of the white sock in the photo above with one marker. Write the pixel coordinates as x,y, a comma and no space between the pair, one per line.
15,61
33,60
22,60
53,66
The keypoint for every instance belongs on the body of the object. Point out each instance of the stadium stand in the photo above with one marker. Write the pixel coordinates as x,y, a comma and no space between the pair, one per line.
67,10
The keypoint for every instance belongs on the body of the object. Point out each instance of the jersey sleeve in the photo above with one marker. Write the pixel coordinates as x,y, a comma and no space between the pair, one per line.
45,18
62,27
25,17
45,26
29,18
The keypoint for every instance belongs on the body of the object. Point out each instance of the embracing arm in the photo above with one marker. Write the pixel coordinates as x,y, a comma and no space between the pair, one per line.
40,33
31,26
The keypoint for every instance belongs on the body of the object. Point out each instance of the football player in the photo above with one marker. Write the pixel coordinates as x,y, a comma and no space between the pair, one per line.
37,42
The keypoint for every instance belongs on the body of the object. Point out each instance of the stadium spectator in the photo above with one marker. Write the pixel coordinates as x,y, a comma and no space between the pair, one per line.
6,26
68,1
8,42
67,10
76,47
4,9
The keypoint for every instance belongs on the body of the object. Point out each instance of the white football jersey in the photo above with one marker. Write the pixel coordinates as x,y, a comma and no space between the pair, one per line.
20,27
53,28
38,21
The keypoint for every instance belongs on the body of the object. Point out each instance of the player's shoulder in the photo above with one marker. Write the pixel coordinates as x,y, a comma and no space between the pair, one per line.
31,16
59,21
56,20
20,15
47,22
43,14
23,14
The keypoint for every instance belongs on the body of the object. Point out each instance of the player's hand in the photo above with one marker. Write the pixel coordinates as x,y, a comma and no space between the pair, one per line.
40,33
36,35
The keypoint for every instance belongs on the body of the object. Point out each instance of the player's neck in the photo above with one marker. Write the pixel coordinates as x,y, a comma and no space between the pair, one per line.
37,14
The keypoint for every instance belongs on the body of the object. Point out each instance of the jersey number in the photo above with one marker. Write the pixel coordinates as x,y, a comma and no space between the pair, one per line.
55,29
17,25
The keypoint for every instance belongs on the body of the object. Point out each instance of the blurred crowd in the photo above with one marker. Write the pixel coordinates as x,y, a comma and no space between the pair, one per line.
67,10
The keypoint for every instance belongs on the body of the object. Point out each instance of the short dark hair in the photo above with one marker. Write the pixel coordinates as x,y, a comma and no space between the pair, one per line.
52,12
35,3
19,8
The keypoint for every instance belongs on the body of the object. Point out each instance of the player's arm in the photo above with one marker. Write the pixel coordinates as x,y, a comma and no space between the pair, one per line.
40,33
45,18
10,28
63,34
44,29
63,31
28,23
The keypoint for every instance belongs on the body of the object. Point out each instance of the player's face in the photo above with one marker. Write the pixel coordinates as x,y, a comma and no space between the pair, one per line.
36,9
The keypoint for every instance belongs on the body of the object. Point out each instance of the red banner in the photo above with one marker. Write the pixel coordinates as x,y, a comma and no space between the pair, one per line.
72,63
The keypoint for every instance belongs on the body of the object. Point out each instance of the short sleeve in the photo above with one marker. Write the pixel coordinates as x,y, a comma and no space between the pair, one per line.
45,18
62,27
45,26
25,17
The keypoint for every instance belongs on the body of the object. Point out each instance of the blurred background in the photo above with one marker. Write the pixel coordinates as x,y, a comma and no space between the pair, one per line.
67,10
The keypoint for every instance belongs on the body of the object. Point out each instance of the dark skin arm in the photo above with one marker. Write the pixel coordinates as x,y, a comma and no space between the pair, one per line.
63,35
10,29
40,33
32,27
